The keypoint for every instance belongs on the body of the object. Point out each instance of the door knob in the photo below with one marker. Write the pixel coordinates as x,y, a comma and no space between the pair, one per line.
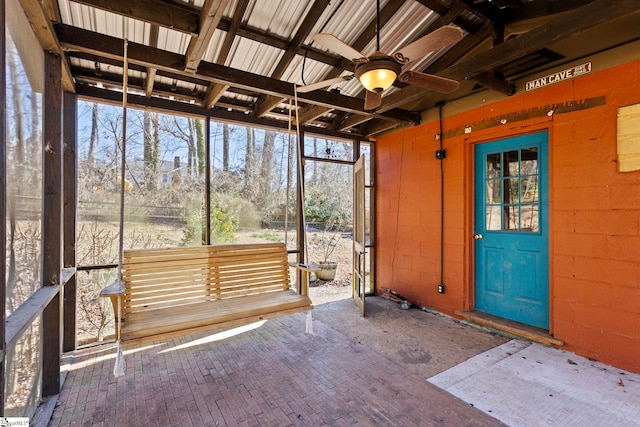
477,236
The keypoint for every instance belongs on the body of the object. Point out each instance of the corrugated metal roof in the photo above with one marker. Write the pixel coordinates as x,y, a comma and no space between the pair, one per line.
346,19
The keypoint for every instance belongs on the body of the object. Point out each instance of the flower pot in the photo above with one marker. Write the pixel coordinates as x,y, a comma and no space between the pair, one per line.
328,270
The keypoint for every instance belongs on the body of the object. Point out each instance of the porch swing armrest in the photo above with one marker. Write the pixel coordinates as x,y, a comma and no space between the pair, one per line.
303,288
304,267
114,289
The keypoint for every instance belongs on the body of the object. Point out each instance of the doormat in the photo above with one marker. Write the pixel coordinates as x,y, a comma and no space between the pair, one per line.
523,384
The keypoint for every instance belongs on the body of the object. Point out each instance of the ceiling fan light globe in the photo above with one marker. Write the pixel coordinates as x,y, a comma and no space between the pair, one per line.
378,74
378,80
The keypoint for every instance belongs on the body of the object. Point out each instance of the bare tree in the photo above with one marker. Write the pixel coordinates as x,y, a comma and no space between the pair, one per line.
200,139
150,149
266,168
93,141
225,147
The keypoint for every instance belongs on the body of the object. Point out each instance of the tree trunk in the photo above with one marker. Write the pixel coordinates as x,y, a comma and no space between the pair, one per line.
93,140
266,167
225,146
191,143
249,164
200,137
314,181
17,106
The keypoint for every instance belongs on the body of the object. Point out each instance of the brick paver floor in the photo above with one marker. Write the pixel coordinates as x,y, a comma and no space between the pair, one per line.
270,374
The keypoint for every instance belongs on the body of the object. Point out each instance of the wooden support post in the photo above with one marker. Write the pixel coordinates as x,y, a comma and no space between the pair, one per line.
207,180
300,223
3,204
52,222
70,178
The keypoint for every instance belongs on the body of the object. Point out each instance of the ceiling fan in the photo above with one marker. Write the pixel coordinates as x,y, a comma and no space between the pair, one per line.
379,71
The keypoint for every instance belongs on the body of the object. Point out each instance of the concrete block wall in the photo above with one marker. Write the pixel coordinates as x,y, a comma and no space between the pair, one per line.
594,209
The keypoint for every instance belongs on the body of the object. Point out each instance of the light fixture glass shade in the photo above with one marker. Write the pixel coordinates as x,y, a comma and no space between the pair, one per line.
378,79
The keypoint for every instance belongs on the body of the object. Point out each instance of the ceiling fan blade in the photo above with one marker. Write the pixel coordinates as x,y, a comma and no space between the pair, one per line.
323,83
442,37
372,100
429,81
333,43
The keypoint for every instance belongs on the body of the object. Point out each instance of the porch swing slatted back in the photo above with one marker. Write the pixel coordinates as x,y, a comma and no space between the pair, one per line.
198,288
177,276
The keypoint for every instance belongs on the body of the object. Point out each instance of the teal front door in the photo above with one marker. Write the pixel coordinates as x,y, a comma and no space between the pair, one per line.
511,229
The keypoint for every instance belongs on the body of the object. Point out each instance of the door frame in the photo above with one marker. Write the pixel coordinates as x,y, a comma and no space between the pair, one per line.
494,135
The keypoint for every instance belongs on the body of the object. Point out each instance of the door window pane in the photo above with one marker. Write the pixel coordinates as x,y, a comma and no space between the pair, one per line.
511,190
529,218
511,165
493,165
529,189
529,162
511,217
493,218
493,191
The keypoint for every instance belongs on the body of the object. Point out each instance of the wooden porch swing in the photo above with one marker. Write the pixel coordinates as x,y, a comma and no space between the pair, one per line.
175,291
161,293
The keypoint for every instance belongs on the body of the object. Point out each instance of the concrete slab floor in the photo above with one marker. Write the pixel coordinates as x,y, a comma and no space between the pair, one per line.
351,371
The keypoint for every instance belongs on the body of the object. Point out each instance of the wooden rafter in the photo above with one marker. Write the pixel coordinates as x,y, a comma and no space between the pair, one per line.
151,72
76,39
539,8
369,32
264,103
46,35
215,91
212,12
194,110
449,16
165,13
569,24
439,7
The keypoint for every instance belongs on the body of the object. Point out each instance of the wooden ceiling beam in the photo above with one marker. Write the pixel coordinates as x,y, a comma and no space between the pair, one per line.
165,13
134,83
185,19
46,35
173,107
374,128
212,12
540,8
558,28
77,39
568,25
151,72
266,103
309,22
448,16
462,49
310,113
490,80
386,13
52,10
484,11
439,7
215,90
214,93
349,120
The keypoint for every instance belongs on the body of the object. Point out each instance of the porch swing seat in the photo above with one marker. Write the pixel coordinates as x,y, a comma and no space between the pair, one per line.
176,291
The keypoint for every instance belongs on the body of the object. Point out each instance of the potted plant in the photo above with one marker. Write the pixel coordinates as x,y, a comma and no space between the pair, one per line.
328,240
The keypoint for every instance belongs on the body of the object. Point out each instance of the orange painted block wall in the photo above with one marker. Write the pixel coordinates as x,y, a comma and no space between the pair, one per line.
594,218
